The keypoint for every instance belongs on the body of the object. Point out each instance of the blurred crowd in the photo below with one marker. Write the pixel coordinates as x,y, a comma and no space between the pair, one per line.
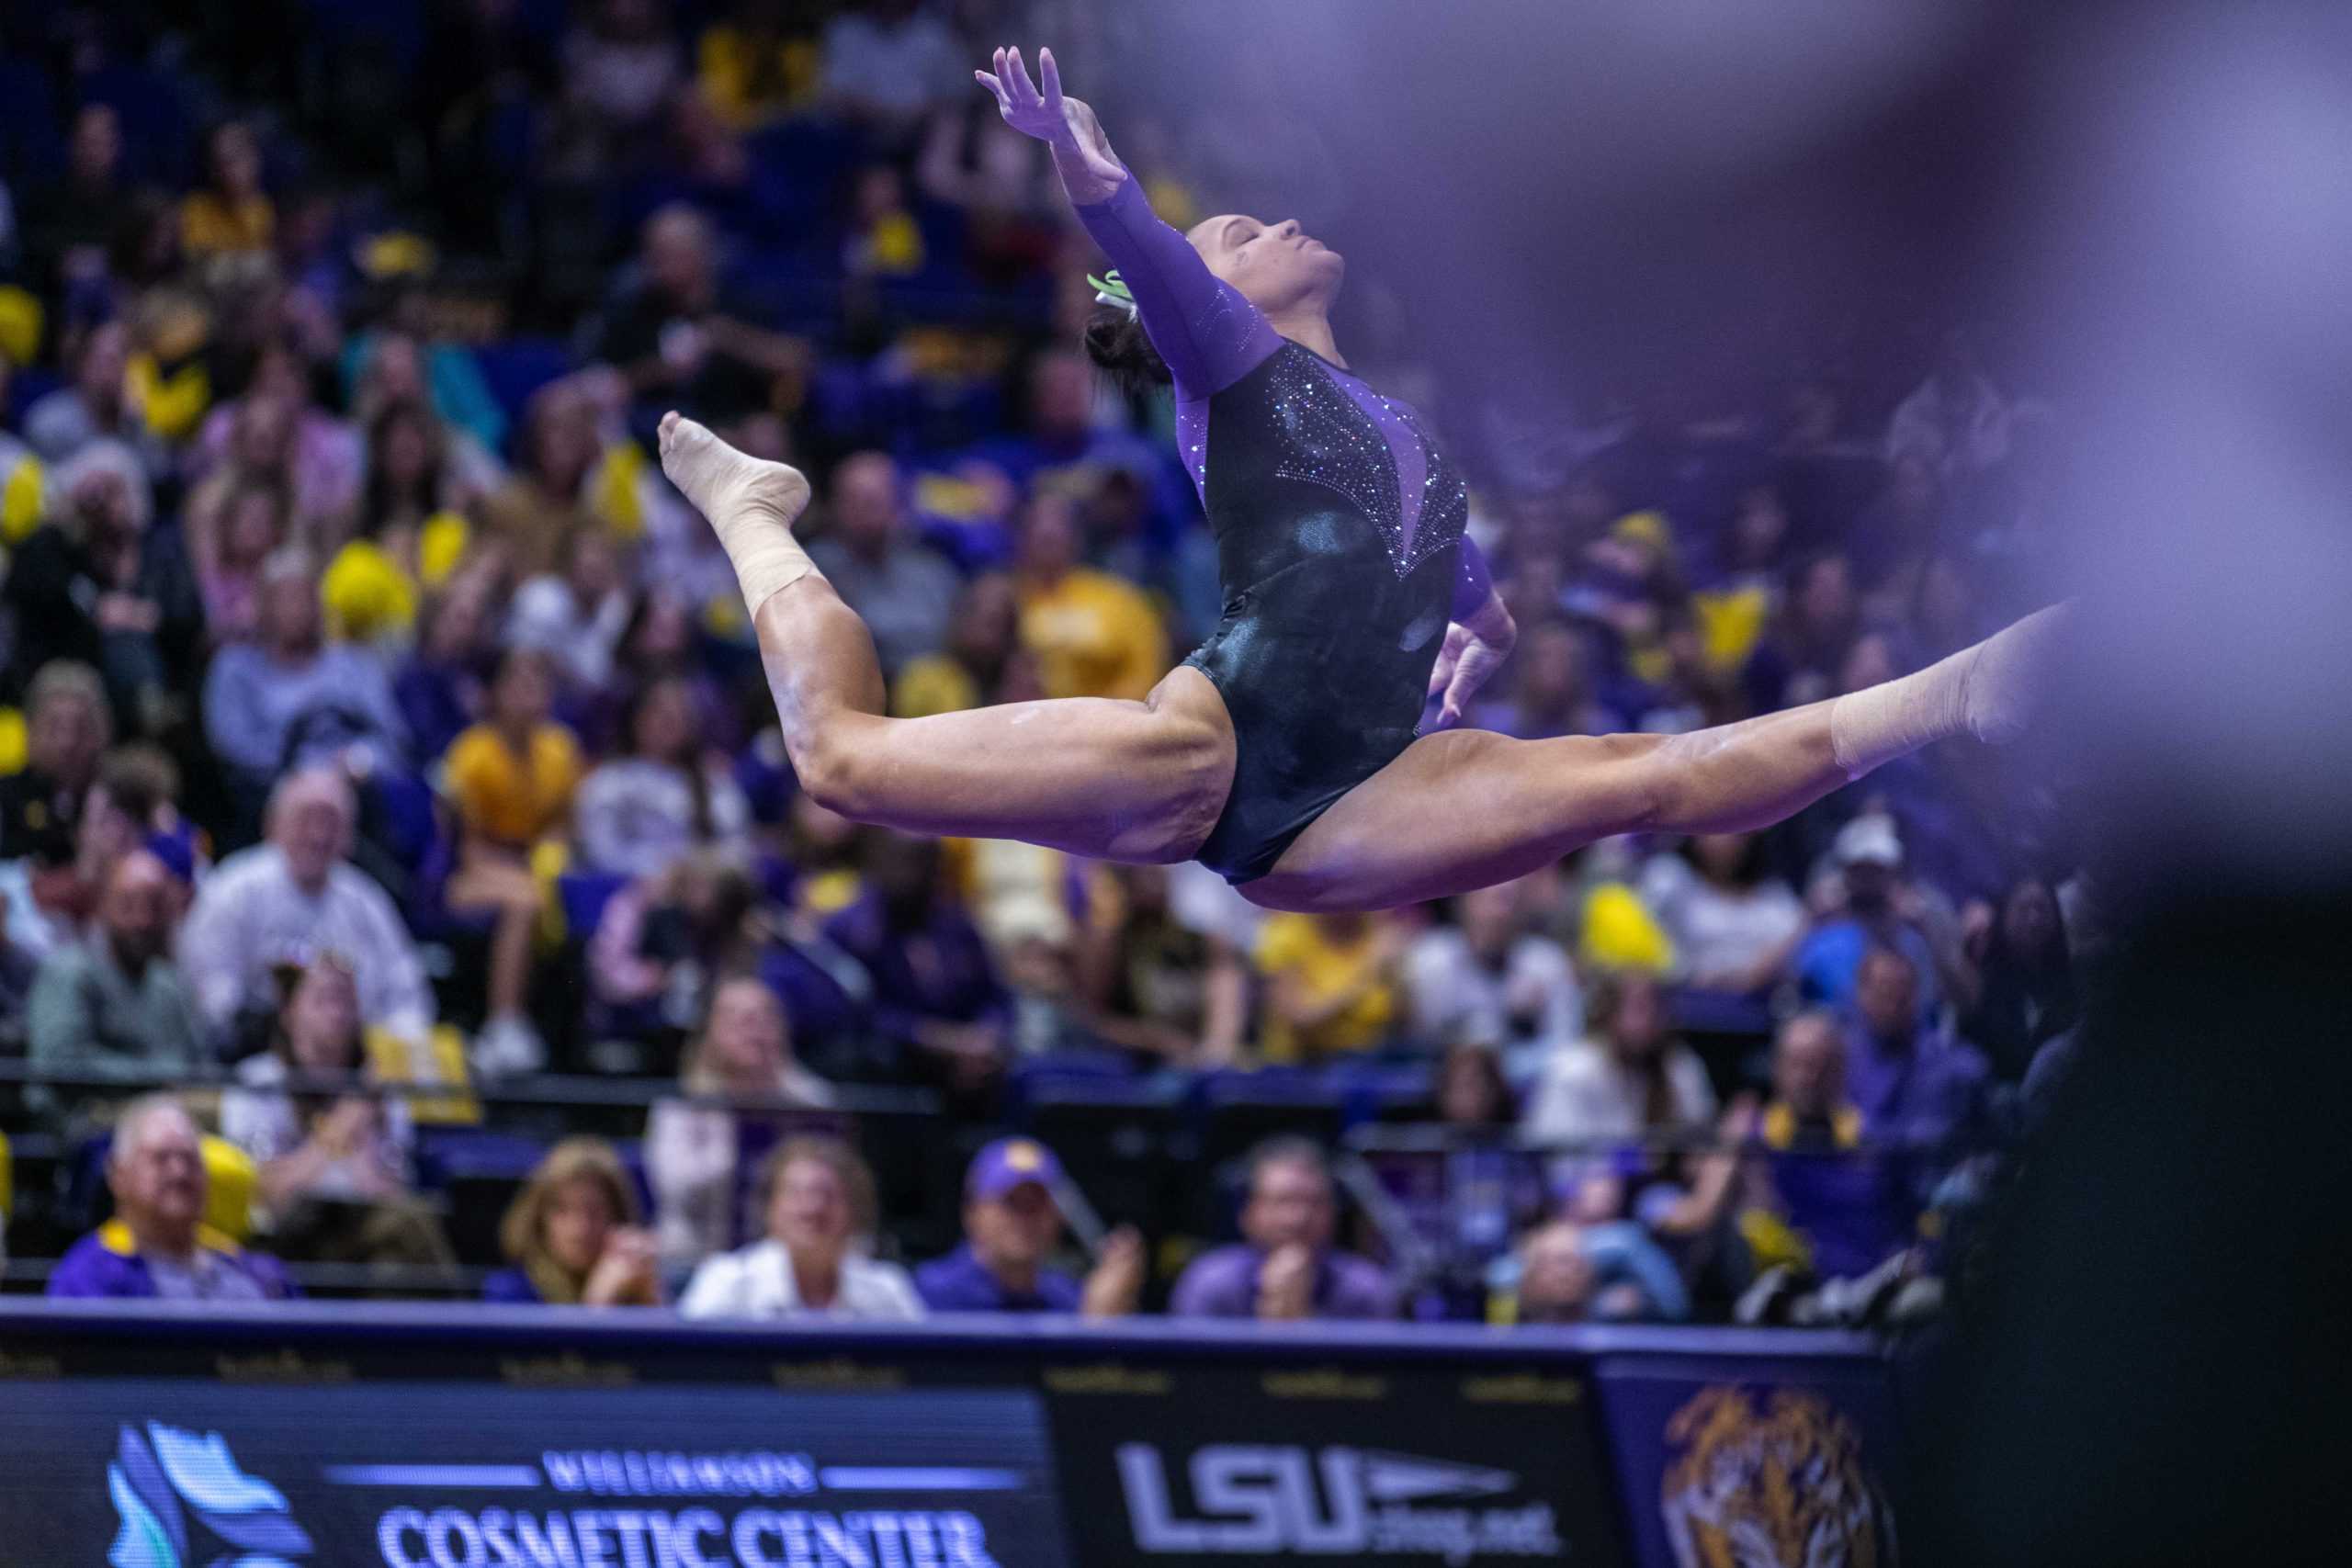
382,733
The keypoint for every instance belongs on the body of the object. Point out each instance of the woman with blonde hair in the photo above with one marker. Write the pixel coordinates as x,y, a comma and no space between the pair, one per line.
573,1237
737,1074
817,1197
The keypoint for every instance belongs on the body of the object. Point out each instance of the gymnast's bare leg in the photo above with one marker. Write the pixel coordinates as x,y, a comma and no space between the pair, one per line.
1126,781
1468,809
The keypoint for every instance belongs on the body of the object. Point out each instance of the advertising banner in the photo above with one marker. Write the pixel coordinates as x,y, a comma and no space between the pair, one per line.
1190,1466
141,1473
1754,1461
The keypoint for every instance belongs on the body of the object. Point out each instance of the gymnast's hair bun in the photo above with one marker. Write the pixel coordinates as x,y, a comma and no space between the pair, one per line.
1115,341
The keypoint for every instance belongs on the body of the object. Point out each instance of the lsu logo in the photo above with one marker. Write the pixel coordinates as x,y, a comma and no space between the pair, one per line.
169,1485
1770,1478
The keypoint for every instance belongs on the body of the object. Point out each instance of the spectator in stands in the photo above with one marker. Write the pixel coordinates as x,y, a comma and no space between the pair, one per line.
1572,1273
67,728
817,1197
1093,634
982,639
252,528
1798,661
157,1245
1471,1094
903,592
511,780
1551,690
1330,984
1825,1195
668,792
1158,987
409,503
934,985
544,503
1484,979
1879,911
1733,926
115,1003
50,907
290,697
577,614
229,222
2026,995
758,65
96,405
1633,1080
1915,1086
68,224
295,896
620,70
97,583
1012,1220
679,341
887,62
441,689
1955,420
1285,1268
337,1163
737,1073
662,939
571,1235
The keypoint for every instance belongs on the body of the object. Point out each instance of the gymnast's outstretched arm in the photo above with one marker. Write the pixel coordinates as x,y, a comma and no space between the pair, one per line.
1209,336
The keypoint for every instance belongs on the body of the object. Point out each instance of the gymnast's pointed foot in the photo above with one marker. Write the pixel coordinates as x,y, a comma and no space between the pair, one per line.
752,503
2007,682
724,484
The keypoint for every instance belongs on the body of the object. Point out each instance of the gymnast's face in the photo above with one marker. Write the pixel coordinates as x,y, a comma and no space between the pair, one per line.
1276,267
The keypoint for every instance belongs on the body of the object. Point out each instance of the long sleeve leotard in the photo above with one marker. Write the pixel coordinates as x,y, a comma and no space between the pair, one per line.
1339,526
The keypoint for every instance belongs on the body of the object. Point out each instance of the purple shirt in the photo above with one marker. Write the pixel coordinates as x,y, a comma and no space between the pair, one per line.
1223,1283
107,1263
961,1283
1920,1091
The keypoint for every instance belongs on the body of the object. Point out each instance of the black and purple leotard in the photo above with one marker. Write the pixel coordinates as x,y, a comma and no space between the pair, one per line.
1339,541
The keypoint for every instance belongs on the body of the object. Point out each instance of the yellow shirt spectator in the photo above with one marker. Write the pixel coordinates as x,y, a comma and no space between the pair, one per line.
933,683
1330,983
749,77
1093,636
212,225
513,798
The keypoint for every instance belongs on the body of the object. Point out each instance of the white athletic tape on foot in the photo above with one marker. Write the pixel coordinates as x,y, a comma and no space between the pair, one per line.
766,557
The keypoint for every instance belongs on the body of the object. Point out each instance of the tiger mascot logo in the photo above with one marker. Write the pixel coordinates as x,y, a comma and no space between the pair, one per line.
1770,1478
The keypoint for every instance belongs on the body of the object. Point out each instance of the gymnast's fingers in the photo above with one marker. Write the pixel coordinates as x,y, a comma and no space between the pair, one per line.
1025,91
994,87
1051,77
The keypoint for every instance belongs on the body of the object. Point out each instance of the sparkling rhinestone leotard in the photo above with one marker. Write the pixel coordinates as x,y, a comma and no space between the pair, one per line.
1340,553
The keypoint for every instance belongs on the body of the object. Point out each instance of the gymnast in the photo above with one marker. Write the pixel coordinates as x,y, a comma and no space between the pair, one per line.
1287,752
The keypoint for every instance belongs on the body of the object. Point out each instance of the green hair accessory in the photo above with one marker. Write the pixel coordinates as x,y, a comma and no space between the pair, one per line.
1112,289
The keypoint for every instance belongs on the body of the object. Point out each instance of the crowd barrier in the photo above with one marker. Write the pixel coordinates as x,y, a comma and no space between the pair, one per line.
145,1434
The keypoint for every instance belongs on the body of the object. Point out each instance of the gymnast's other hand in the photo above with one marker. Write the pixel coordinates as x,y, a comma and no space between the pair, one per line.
1081,152
1472,651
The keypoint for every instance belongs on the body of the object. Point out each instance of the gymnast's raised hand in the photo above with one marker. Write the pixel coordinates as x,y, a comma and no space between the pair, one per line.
1288,752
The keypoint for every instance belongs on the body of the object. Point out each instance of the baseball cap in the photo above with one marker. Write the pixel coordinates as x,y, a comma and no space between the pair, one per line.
1007,1164
1868,839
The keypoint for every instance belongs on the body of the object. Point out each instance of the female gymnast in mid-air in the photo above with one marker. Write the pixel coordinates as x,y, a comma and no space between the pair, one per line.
1286,752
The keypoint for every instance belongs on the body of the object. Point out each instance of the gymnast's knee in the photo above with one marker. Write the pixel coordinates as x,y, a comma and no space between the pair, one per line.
836,769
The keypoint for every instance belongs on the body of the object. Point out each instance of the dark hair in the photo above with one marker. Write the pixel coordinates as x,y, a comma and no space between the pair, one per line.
1117,343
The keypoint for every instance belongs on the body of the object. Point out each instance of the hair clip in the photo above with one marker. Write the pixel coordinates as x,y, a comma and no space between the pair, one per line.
1112,289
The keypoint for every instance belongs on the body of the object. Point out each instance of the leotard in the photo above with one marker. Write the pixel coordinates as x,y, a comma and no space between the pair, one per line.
1339,526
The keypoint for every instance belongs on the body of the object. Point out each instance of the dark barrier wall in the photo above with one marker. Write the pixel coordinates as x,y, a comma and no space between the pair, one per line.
161,1438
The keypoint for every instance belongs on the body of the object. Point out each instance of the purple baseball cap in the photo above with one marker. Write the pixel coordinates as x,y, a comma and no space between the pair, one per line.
1007,1162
